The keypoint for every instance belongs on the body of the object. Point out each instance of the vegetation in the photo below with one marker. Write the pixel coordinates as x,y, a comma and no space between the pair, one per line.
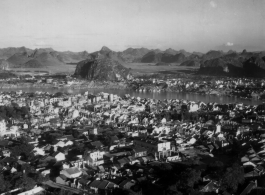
14,111
19,176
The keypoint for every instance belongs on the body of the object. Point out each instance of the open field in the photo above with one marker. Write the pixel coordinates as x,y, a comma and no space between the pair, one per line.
68,69
136,69
151,68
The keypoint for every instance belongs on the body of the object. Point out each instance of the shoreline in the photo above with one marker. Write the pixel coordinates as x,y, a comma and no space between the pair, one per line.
108,86
91,85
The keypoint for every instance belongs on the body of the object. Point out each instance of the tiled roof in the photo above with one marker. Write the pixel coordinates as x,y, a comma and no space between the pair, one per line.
72,170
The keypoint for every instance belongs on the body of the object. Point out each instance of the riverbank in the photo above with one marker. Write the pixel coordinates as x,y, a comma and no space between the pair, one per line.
84,85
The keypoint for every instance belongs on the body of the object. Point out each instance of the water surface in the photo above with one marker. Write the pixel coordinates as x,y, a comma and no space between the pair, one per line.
154,95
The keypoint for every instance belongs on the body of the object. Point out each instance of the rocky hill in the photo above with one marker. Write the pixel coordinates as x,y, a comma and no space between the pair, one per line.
43,58
213,62
167,56
6,53
102,69
235,64
133,54
193,62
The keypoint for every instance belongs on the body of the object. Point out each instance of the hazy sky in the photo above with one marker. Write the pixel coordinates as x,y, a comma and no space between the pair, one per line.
77,25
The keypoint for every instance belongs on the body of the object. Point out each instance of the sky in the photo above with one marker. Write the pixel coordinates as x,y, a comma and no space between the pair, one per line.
78,25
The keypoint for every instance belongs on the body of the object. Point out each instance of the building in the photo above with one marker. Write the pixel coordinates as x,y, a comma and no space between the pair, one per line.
72,172
153,146
2,127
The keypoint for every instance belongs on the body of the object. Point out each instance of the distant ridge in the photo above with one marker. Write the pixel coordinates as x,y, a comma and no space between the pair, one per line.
212,62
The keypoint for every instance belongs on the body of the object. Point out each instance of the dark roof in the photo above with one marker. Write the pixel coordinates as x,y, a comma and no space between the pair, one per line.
83,181
94,184
96,144
138,149
248,189
114,138
123,183
69,137
63,177
103,184
3,143
123,161
8,160
111,185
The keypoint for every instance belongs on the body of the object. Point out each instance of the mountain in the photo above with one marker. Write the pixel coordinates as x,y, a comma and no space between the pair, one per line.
155,57
102,69
171,51
48,59
70,57
133,54
43,57
230,62
255,66
190,63
6,53
151,57
212,54
33,63
18,58
250,64
185,53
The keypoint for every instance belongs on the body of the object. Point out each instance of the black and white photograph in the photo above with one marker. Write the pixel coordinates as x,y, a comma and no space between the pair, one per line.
132,97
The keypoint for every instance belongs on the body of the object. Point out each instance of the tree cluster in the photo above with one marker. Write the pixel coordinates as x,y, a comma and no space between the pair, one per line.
14,111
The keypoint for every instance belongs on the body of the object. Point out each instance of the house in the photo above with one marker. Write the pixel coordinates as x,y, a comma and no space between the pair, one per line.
82,183
94,185
123,161
210,187
114,139
98,185
62,179
139,152
97,144
39,151
6,152
59,156
127,184
94,158
72,172
193,107
47,159
46,172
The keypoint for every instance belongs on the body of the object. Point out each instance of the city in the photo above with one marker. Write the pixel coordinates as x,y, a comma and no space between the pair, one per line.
121,97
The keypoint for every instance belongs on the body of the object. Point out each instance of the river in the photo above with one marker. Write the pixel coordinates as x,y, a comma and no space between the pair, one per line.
153,95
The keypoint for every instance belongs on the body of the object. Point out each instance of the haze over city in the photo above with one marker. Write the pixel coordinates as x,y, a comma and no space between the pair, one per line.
88,25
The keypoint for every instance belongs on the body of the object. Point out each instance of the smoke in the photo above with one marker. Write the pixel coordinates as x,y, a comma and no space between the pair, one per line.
229,44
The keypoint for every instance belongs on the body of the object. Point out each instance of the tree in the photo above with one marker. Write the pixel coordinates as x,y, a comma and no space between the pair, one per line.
22,149
232,178
189,178
216,168
5,185
93,137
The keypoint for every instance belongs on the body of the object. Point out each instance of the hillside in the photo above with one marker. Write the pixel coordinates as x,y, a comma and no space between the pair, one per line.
213,62
102,69
6,53
18,59
190,63
133,55
235,64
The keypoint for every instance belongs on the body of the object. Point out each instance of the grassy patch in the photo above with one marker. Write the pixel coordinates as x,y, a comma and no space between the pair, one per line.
152,68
